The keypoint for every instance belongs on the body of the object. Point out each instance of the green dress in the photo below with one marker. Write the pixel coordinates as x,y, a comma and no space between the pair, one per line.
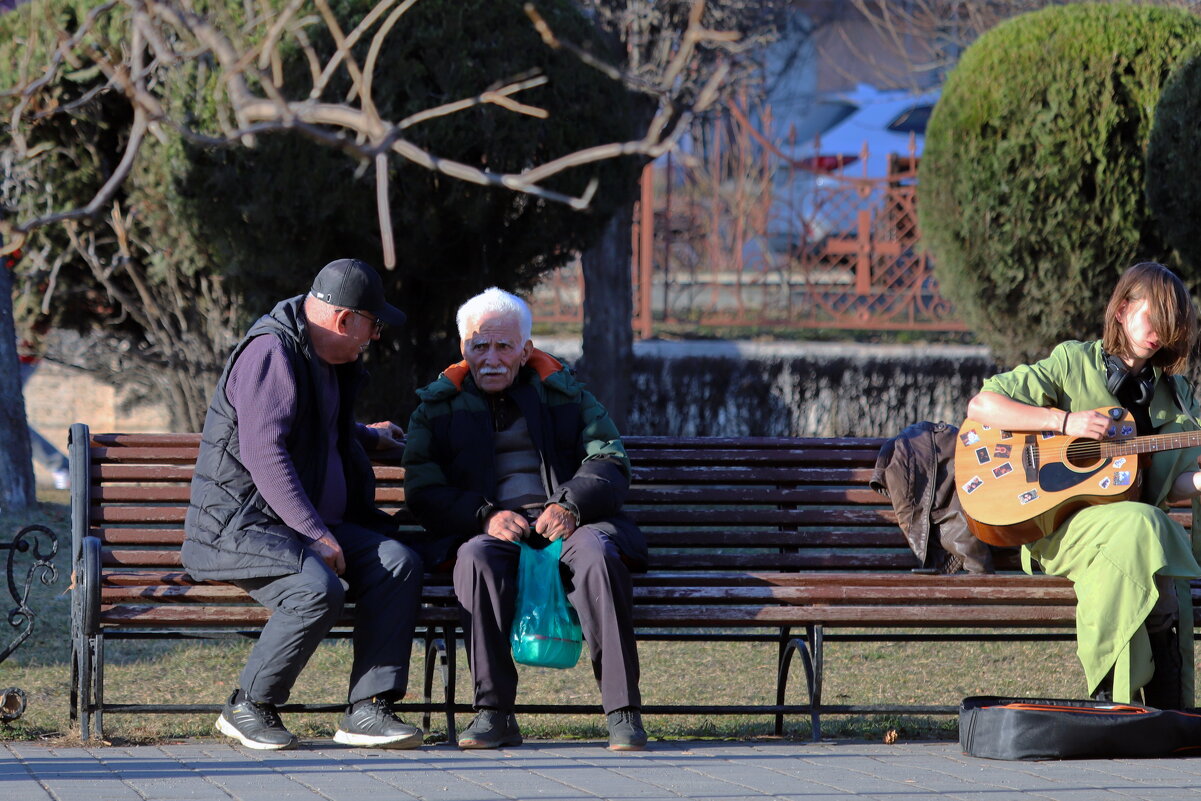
1112,552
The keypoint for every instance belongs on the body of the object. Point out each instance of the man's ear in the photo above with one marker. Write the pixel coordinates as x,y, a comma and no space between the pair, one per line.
527,350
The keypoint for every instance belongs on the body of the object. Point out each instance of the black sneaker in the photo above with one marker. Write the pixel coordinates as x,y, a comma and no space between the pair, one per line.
491,728
625,730
372,723
256,725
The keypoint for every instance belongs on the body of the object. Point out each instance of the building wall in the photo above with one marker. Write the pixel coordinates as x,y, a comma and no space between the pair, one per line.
57,396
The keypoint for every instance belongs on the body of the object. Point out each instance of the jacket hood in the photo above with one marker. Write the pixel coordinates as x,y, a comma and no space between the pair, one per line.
550,371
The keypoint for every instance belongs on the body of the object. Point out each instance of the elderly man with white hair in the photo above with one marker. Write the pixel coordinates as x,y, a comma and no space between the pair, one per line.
507,445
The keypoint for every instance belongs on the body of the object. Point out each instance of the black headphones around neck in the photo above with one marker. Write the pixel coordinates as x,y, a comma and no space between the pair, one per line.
1117,376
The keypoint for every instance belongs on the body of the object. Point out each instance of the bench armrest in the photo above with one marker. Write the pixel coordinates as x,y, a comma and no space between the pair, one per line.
85,590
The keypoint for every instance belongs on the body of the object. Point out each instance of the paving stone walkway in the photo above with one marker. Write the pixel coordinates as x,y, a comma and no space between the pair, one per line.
323,771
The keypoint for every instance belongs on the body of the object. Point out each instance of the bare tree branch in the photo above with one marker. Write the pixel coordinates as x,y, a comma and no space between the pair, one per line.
167,33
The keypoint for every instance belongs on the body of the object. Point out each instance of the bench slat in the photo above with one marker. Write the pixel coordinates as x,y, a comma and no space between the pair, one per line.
809,560
645,473
709,616
789,596
983,585
734,516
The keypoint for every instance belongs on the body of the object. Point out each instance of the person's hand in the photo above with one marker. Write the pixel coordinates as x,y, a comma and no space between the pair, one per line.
387,435
555,523
330,552
1091,424
506,525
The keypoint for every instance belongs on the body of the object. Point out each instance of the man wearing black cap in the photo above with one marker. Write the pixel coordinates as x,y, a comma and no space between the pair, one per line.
283,506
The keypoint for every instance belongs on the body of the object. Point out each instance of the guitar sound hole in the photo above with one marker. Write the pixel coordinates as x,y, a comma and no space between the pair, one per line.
1083,453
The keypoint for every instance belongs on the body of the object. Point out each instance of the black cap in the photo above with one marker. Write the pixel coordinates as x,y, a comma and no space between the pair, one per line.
354,284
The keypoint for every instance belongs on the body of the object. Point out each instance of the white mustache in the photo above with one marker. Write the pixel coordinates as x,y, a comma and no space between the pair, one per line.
493,371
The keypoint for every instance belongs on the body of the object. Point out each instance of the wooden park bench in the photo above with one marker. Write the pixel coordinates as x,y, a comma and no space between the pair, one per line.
769,540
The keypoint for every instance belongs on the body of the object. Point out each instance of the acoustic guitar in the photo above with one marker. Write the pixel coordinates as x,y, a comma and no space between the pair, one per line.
1018,486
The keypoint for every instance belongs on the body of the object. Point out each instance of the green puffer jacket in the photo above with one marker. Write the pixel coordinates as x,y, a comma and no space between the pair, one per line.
449,459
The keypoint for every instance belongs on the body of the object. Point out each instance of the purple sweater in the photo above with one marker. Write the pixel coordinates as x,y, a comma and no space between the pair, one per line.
262,389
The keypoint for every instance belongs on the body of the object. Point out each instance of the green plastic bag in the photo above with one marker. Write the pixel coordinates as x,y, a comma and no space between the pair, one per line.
546,630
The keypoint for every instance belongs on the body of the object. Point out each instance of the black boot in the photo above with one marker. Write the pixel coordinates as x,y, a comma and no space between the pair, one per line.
1165,689
1104,691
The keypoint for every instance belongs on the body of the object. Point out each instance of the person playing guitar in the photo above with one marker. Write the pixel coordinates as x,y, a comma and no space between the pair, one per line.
1128,560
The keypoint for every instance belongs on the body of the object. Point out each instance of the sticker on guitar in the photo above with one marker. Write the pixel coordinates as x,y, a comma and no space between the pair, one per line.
1049,475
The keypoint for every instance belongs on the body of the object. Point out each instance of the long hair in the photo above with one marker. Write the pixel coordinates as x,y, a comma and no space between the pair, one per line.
1172,315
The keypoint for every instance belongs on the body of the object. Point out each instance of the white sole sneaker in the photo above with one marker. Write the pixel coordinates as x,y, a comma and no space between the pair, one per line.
375,741
229,730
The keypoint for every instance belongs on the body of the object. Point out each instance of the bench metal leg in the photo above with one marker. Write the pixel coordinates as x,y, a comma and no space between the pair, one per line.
98,689
82,671
427,684
440,654
87,639
449,663
811,651
90,694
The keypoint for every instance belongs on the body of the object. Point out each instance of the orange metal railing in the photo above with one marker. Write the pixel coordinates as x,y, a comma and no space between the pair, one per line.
743,239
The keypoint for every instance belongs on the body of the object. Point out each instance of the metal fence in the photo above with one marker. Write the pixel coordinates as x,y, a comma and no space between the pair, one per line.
742,238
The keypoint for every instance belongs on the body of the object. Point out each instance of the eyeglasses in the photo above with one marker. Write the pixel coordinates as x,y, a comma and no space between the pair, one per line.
377,322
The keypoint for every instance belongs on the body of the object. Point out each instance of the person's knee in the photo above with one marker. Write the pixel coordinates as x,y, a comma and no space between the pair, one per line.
319,598
401,561
587,547
484,554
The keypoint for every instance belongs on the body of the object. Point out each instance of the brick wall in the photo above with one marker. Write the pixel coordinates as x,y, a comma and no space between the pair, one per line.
57,396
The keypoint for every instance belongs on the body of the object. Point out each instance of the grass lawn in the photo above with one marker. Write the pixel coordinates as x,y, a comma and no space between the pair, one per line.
717,673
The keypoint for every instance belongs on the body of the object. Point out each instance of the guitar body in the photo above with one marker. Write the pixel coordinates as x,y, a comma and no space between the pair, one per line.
1018,486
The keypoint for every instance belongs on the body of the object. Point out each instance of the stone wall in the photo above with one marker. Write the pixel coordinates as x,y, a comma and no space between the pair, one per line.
806,391
680,388
795,389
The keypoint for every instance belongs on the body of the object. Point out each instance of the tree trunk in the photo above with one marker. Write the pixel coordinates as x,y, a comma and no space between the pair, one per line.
608,339
17,489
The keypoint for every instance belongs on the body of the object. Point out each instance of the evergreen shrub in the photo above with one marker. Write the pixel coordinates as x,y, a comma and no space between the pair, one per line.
1032,180
1173,177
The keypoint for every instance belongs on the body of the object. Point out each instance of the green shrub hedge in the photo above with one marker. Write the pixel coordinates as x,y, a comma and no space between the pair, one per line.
1173,178
1032,181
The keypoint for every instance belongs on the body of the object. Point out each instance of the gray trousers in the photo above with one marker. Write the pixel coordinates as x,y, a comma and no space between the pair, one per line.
383,579
598,586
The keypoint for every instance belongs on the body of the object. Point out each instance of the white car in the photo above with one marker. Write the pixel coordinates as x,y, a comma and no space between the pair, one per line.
815,189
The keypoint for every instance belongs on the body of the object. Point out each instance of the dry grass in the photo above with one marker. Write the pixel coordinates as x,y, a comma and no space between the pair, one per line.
715,673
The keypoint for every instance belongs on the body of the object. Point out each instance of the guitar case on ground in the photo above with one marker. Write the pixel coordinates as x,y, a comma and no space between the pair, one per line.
994,727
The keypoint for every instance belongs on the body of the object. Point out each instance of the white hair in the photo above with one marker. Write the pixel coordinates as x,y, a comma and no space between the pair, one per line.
495,301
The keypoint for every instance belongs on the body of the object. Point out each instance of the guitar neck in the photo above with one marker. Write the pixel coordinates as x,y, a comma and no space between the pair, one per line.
1152,443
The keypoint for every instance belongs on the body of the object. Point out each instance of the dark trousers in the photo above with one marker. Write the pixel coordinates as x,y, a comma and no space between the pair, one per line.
382,578
598,586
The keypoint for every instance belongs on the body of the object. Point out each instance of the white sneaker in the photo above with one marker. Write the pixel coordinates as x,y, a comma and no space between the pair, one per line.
62,479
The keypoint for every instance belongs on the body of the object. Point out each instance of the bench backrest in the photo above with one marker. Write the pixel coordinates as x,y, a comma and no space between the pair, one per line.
706,504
